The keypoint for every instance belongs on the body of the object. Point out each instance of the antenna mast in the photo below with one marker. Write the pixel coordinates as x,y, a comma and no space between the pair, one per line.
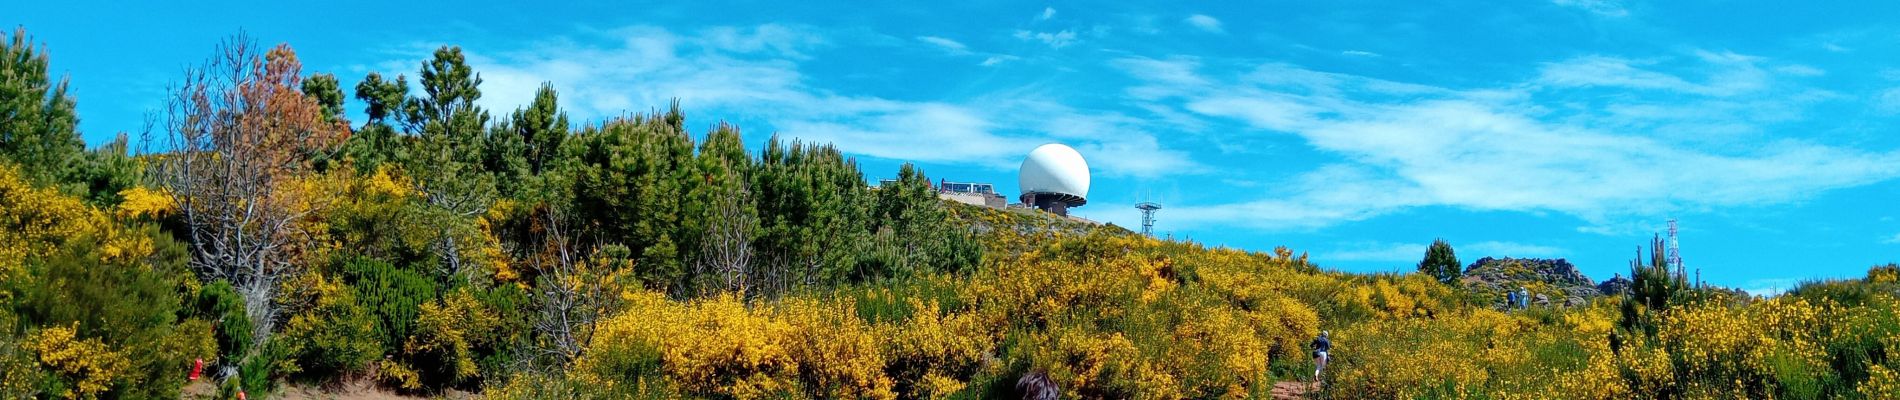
1148,217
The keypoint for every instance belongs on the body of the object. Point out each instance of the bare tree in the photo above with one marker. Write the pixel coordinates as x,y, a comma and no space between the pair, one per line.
240,132
726,253
573,297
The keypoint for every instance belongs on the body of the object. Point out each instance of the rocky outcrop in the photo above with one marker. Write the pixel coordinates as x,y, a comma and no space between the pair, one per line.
1614,286
1552,282
1556,272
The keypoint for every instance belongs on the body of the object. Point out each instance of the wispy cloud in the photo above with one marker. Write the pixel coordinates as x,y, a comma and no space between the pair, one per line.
1374,251
1510,249
1047,13
1406,146
1731,75
1359,53
1055,40
951,46
956,48
1888,101
1800,70
782,40
1204,23
1174,71
1892,240
1608,8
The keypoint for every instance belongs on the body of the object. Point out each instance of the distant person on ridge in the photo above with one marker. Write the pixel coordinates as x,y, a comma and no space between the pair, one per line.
1321,346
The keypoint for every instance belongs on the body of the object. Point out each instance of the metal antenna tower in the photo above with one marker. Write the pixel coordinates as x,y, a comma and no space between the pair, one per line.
1148,217
1675,254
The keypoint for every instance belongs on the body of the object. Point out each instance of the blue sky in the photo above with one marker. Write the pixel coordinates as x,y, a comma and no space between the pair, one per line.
1355,131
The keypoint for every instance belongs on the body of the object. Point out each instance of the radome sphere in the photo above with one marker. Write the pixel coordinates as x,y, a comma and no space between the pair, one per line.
1055,169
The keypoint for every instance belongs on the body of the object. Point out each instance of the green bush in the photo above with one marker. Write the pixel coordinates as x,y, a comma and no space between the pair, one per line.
219,302
392,295
335,336
510,334
131,305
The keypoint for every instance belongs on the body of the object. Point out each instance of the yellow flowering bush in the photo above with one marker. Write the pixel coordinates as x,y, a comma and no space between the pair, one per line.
1881,383
36,220
1113,315
88,364
142,202
720,347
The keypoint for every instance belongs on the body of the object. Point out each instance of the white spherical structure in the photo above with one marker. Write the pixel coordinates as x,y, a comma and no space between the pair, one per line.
1054,174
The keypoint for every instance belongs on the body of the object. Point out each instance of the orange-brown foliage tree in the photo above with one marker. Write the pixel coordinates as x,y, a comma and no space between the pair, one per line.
241,135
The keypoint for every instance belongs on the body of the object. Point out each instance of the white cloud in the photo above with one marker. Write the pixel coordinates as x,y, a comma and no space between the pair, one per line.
1608,8
1406,146
1374,251
956,48
1204,22
1359,53
1176,71
1800,70
1732,75
1892,240
1888,101
773,38
1509,249
1047,13
1330,194
1055,40
951,46
956,134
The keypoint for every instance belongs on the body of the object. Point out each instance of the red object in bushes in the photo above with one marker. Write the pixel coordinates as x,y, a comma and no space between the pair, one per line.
197,367
240,395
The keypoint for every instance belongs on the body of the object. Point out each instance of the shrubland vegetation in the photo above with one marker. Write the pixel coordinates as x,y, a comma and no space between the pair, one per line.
437,246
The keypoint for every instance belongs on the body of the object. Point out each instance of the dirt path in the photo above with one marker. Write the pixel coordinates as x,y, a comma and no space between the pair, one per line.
1291,390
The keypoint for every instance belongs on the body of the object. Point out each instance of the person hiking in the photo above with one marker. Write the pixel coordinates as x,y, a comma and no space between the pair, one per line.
1510,300
1321,346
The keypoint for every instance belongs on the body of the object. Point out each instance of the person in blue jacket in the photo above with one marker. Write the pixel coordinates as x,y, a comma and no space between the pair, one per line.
1321,346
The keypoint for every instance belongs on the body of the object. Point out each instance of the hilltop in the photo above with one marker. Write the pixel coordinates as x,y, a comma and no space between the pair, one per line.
1550,281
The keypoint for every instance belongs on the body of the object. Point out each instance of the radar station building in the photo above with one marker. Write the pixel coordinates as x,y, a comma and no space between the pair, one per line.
976,194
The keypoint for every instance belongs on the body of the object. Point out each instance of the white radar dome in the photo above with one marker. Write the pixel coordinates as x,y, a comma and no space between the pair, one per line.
1055,169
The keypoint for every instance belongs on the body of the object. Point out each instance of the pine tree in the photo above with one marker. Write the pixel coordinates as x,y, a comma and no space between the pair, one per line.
377,142
630,181
721,213
38,124
1441,263
447,159
324,89
542,126
911,231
